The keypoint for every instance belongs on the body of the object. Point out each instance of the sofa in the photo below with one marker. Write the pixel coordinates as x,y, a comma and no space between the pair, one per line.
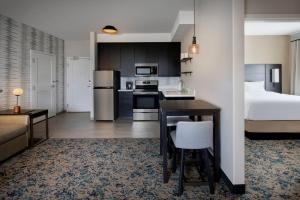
13,135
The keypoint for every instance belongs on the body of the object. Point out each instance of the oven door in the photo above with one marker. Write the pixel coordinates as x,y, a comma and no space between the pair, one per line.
145,102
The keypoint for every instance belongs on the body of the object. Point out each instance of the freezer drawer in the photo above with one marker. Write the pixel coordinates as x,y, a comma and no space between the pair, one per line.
104,104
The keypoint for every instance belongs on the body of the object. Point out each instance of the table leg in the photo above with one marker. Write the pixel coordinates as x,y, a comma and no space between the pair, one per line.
217,146
30,132
164,147
47,127
160,130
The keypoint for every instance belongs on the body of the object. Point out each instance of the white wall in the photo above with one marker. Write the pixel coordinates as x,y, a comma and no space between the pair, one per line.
270,50
218,75
79,48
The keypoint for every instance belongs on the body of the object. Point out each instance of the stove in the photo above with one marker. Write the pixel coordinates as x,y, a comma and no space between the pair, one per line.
145,100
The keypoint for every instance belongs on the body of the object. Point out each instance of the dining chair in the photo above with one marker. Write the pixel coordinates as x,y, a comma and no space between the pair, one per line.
171,124
193,136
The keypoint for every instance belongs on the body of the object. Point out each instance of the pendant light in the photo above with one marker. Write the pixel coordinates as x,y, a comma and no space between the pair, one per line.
109,29
194,47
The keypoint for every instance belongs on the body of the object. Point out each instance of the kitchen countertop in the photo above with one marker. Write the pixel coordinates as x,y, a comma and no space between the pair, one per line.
124,90
177,93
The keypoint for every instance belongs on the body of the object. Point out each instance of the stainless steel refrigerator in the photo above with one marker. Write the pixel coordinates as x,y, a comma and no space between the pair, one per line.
106,85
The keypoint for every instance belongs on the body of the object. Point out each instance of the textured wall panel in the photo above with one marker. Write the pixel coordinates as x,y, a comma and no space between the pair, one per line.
16,41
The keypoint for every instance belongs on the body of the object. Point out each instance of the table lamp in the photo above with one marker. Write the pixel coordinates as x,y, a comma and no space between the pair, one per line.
17,92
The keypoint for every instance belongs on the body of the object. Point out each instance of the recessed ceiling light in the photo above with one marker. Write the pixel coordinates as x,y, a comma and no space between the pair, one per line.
108,29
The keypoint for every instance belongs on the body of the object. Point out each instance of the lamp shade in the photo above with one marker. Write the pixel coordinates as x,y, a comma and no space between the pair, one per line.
110,29
194,47
17,91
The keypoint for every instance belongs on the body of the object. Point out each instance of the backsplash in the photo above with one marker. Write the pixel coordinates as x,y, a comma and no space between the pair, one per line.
164,82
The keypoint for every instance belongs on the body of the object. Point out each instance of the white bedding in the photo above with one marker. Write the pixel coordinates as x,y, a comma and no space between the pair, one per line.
263,105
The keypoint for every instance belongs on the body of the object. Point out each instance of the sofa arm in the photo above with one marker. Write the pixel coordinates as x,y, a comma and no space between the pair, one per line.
14,119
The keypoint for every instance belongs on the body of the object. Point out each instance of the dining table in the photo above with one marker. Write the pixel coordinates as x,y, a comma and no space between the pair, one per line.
196,109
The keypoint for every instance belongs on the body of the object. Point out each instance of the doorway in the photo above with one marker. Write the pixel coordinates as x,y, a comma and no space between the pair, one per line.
43,81
79,85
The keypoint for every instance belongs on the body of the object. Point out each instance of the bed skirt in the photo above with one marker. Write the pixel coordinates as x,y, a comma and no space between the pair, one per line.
272,126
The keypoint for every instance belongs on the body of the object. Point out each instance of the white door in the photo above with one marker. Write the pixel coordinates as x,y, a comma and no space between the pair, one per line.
43,82
79,89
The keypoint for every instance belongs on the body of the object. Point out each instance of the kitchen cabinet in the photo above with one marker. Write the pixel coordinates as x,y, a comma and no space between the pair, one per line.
123,56
127,60
125,104
174,64
109,56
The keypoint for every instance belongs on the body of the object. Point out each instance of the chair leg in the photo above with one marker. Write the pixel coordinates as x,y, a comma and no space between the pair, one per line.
160,140
174,161
180,183
169,143
209,172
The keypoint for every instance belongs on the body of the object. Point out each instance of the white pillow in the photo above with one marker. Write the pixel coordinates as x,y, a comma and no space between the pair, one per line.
258,86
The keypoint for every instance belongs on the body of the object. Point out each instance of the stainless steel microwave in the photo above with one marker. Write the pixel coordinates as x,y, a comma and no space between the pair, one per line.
146,69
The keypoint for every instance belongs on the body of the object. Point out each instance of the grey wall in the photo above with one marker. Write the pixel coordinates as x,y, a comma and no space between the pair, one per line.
272,6
16,41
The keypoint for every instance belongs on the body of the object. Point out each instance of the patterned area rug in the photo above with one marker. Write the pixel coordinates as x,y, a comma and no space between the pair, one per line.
131,169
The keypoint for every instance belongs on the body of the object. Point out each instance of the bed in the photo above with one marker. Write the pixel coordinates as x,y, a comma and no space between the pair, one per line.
270,112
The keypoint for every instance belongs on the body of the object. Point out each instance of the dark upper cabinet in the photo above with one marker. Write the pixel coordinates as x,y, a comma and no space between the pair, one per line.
163,60
146,52
140,53
109,56
123,56
174,64
127,59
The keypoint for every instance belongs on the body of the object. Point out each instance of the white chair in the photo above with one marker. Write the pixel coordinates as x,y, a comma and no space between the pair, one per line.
193,136
171,123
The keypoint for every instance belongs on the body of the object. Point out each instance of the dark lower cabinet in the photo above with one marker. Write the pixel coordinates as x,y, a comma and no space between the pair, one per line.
125,104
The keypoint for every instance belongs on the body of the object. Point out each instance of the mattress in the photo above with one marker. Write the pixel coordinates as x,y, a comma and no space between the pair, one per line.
263,105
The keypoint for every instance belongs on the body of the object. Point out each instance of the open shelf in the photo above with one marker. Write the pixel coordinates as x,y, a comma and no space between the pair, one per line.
187,72
186,59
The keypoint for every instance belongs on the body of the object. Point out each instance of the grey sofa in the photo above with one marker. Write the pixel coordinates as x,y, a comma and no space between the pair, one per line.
13,135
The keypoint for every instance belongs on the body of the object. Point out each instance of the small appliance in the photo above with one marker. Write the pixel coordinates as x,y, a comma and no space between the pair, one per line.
146,69
129,85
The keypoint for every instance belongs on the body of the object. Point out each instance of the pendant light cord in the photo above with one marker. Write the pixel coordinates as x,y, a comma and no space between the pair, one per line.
194,16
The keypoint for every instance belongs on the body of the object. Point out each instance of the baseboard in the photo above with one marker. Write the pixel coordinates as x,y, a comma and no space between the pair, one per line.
234,188
272,136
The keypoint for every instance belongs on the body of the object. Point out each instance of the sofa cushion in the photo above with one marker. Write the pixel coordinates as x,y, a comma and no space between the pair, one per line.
10,131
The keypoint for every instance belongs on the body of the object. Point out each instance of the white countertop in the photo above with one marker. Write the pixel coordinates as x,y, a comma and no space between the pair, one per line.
177,93
124,90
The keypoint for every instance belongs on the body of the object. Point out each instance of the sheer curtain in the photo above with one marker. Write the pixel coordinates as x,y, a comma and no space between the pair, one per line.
295,67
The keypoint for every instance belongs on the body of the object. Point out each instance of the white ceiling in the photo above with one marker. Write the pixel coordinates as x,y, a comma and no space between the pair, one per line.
271,28
74,19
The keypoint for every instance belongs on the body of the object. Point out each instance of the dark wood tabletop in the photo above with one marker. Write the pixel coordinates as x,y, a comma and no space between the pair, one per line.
188,105
23,112
189,108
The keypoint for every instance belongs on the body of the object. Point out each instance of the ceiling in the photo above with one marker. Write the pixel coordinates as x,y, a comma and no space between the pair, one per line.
271,28
74,19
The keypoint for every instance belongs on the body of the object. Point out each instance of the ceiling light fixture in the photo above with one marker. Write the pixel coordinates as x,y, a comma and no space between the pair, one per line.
108,29
194,47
